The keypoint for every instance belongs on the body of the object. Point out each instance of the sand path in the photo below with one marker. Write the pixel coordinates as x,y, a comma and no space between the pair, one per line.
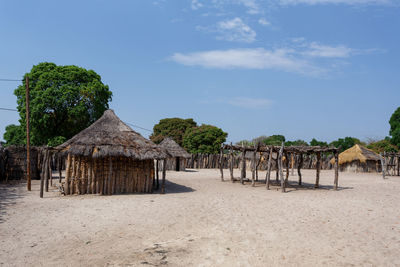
204,222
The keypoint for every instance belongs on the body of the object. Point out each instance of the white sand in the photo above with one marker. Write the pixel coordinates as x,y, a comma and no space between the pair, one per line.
204,222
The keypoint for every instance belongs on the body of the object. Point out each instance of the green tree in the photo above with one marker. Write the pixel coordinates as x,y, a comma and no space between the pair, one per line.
315,142
382,146
395,127
298,142
171,127
274,140
14,135
345,143
64,100
205,139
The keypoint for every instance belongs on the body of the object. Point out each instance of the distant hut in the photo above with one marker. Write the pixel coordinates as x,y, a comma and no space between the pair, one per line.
358,159
109,157
177,155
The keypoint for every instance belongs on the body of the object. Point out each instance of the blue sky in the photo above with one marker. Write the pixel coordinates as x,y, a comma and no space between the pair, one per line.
301,68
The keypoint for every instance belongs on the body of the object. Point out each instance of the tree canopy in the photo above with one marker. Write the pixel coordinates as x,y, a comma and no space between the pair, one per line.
171,127
345,143
274,140
384,145
14,135
315,142
298,142
205,139
64,100
395,127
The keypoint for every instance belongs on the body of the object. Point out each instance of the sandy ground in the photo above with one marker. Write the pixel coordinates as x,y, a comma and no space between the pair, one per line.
202,221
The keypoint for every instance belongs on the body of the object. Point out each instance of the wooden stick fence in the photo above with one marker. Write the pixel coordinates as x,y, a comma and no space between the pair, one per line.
390,163
295,152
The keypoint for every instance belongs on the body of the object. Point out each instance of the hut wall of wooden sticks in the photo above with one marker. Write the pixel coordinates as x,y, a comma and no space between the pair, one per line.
282,154
390,163
109,175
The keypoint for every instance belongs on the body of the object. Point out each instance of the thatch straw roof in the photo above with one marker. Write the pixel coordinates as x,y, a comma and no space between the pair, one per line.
356,153
174,149
109,136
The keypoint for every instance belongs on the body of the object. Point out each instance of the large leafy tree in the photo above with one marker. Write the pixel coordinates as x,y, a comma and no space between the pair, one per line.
345,143
63,101
205,139
298,142
14,135
395,127
171,127
315,142
274,140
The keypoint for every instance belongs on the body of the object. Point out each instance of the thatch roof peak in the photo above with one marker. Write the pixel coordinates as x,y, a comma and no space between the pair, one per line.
109,136
174,149
357,153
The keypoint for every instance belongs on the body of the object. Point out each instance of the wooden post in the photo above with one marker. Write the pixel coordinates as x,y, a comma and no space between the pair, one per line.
60,168
157,175
336,170
277,167
287,167
280,167
41,182
383,163
243,169
318,169
231,163
299,165
50,169
67,174
292,162
398,165
221,154
163,176
253,166
28,139
258,164
110,171
268,176
46,170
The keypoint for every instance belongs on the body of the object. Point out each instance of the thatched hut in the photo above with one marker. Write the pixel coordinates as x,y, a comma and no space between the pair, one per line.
177,155
109,157
358,159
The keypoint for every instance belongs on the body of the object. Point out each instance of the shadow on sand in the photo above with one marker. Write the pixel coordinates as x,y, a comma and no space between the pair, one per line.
293,186
9,193
173,188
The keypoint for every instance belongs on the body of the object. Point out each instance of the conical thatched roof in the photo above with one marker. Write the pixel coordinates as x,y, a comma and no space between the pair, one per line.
109,136
174,149
356,153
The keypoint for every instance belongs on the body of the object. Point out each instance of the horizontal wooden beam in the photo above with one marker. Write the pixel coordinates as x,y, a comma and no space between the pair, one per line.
287,149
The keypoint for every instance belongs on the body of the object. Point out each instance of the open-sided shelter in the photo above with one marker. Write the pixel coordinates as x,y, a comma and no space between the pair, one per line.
109,157
177,155
359,159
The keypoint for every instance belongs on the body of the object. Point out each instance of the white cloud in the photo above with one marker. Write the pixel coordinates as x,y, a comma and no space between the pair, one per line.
264,22
348,2
316,50
235,30
251,103
258,58
196,4
251,5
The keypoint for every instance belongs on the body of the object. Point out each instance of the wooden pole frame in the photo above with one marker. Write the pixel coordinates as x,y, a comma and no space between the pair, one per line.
28,139
221,168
